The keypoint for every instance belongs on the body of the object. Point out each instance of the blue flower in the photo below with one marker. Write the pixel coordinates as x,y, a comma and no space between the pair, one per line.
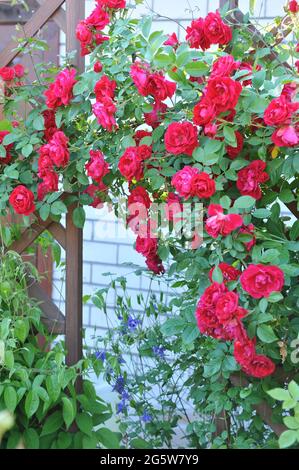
146,417
159,351
101,355
133,323
121,407
119,385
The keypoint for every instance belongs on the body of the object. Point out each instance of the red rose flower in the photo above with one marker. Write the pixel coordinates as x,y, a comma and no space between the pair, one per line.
105,114
196,36
293,6
181,137
130,164
229,272
223,92
50,124
144,152
140,134
158,87
58,149
259,280
224,67
61,91
22,200
233,152
49,185
221,224
84,33
115,4
154,263
212,294
156,116
172,40
98,67
202,185
104,88
98,18
7,73
250,178
248,66
280,111
96,167
19,70
182,181
215,30
253,364
146,246
204,112
226,306
286,136
137,199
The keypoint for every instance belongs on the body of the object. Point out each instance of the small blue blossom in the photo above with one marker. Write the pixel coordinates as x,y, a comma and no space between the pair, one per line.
119,385
133,323
121,360
121,407
146,417
101,355
125,395
159,351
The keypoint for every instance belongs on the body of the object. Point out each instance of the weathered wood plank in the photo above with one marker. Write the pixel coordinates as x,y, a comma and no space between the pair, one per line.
59,16
39,18
74,14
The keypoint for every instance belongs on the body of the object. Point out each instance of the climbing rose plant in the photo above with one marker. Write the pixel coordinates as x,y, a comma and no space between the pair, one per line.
205,118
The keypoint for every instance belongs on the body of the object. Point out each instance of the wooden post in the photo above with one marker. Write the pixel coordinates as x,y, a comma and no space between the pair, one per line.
232,3
75,12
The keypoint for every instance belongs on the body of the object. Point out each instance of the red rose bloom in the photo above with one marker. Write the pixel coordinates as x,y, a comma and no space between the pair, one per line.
259,280
98,18
182,181
181,137
7,73
196,36
202,185
98,67
144,152
115,4
130,164
22,200
50,124
158,87
105,114
248,66
233,152
215,30
49,185
204,112
172,40
250,177
104,88
97,168
58,149
224,93
226,306
224,67
140,134
156,116
251,363
286,136
61,91
92,190
221,224
19,70
212,294
154,263
138,199
146,246
280,111
293,6
229,272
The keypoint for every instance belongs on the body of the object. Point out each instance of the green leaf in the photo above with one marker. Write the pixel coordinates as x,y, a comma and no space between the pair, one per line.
293,388
279,394
31,403
27,150
44,211
275,297
261,214
225,202
68,411
146,26
9,359
39,123
291,422
294,232
108,438
10,398
84,422
58,208
266,334
287,439
31,439
140,443
230,136
196,69
217,275
2,151
190,333
244,202
21,329
52,424
79,217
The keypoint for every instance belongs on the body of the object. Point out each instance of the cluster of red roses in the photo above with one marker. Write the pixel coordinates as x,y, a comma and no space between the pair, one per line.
204,32
90,31
219,315
190,182
60,92
104,108
8,74
152,84
96,169
279,113
139,221
131,163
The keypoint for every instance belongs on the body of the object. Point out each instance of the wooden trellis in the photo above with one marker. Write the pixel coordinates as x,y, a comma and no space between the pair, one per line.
70,237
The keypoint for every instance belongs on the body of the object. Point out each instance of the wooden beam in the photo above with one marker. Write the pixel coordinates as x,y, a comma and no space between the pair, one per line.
39,18
29,236
58,232
59,16
74,14
52,317
73,285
